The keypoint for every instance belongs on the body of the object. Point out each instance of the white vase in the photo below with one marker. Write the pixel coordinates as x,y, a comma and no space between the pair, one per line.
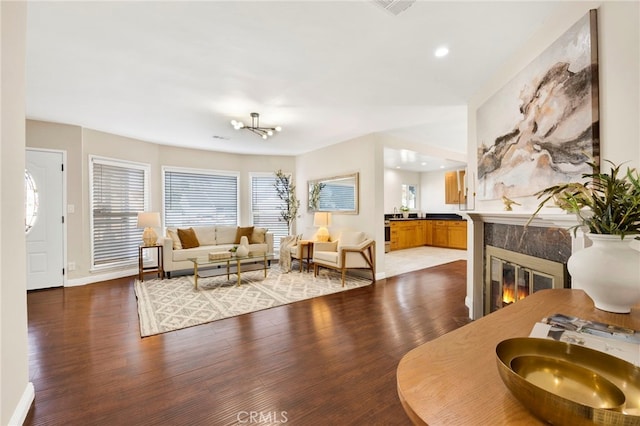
243,248
608,271
405,214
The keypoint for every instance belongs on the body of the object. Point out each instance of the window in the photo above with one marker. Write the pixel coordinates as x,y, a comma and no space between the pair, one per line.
30,201
265,206
119,190
194,197
409,195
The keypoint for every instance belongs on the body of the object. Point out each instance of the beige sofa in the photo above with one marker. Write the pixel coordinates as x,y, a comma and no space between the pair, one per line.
210,239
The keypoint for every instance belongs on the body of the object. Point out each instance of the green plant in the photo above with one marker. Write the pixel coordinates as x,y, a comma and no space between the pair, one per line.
607,203
404,208
287,193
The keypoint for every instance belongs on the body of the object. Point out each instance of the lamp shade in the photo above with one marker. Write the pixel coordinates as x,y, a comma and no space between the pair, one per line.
148,220
322,219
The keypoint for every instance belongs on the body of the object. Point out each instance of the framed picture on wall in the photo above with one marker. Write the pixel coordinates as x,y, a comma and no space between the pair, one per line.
542,128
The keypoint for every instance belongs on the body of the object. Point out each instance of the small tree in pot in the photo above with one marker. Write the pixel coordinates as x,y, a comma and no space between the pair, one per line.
287,193
607,206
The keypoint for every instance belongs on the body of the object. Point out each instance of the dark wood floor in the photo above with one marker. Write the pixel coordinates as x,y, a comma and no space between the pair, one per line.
326,361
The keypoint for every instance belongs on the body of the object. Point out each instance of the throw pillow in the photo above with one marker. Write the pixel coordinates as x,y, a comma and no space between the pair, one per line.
243,232
258,236
173,234
188,238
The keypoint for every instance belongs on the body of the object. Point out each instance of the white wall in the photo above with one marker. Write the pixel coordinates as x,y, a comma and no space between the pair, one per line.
619,81
16,393
393,181
365,156
432,193
619,64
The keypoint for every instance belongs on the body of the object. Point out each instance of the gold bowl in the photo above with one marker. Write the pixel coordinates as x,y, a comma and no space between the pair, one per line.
566,384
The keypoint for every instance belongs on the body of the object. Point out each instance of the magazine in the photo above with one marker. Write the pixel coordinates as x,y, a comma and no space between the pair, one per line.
617,341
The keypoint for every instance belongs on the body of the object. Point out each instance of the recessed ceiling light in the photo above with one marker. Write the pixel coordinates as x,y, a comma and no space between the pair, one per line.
441,52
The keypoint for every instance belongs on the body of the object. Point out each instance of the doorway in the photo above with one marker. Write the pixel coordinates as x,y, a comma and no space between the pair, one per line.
44,219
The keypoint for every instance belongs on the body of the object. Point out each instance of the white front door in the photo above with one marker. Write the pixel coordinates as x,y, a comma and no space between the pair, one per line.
45,219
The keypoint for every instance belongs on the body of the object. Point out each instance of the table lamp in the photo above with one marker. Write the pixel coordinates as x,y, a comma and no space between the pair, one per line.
322,220
148,221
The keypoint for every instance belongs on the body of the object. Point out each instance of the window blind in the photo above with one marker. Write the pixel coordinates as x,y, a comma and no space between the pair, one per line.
265,207
337,198
118,194
198,198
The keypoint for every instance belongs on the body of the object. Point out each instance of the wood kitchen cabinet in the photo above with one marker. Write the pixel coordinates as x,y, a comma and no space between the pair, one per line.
457,234
454,187
407,233
440,233
440,238
450,234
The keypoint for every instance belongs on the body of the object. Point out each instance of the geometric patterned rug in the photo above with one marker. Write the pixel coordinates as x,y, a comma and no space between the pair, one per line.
173,304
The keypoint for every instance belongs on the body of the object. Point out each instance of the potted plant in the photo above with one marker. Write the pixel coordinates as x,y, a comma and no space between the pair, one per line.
287,193
405,211
607,206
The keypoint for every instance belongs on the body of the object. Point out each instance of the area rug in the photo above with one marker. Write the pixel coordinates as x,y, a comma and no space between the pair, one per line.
173,304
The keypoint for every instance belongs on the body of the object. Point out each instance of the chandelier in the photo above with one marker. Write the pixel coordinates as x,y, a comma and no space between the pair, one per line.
263,132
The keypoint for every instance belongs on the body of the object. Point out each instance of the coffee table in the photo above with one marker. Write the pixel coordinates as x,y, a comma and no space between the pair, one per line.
201,262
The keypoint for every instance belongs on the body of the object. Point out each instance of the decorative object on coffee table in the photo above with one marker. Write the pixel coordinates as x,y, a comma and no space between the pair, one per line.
243,248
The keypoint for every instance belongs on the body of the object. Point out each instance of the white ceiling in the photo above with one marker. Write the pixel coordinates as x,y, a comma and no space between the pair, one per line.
176,73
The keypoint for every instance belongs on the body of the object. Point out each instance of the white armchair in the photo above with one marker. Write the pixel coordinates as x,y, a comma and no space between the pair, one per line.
352,250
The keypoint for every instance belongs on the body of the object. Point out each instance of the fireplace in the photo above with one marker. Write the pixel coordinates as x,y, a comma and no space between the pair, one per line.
512,276
544,237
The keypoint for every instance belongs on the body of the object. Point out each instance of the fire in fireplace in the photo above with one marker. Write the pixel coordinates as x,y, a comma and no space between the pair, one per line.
512,276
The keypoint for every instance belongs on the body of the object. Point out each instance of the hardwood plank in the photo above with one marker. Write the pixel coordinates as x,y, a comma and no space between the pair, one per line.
328,360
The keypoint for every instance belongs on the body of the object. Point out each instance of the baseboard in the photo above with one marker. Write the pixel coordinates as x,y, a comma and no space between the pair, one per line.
21,411
101,277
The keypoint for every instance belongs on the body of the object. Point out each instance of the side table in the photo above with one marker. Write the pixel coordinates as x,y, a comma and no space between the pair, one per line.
155,268
308,244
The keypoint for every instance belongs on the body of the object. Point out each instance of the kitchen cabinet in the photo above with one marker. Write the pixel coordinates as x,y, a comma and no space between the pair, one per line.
440,233
457,234
407,234
428,232
450,234
454,187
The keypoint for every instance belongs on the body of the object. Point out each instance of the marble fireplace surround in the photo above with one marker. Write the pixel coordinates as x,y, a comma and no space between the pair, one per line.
547,238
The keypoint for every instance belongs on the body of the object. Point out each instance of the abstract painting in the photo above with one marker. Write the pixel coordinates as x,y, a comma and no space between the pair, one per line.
542,128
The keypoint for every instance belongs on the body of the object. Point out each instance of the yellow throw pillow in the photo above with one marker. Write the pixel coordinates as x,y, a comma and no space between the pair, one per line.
243,232
188,238
258,236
